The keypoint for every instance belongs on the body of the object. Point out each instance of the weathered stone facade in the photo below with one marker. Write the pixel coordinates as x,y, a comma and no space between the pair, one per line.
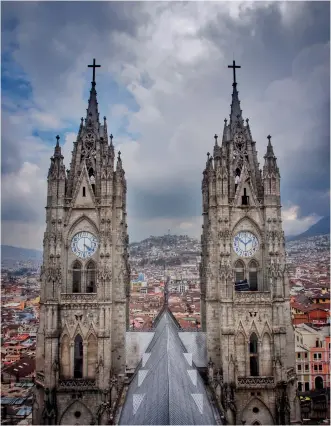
250,338
84,294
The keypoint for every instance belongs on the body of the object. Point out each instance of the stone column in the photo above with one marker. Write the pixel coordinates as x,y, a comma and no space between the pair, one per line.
71,361
85,360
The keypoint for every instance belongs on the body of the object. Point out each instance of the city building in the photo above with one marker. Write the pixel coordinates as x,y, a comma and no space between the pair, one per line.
312,350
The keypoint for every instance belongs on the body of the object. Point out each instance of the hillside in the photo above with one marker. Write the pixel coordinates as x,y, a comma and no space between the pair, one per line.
167,249
20,254
322,227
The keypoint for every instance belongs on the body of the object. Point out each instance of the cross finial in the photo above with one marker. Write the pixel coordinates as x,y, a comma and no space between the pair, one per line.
94,66
57,140
111,138
119,155
215,137
269,138
234,66
208,154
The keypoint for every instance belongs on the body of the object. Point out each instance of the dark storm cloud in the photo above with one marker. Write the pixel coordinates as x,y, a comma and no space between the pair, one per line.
16,211
117,16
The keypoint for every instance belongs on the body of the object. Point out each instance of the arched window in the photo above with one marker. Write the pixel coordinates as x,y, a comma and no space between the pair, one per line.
253,355
78,357
318,383
239,271
65,357
77,277
252,275
92,178
91,277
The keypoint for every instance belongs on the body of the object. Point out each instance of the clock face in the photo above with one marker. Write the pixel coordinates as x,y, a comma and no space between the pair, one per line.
245,244
84,244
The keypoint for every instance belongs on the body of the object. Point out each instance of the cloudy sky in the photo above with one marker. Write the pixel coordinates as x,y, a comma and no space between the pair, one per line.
165,88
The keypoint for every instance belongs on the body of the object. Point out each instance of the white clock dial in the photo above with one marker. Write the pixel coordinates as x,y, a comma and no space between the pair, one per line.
245,244
84,244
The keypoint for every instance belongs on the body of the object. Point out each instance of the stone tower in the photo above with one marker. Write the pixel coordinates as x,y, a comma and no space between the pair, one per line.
244,283
84,280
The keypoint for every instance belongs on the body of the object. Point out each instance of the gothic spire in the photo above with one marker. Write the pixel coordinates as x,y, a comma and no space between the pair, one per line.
119,162
217,148
236,113
92,115
57,149
270,150
111,152
270,159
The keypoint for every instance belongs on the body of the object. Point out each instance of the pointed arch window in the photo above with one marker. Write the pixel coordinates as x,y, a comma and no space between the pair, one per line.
77,277
92,178
252,275
254,355
78,357
245,199
239,271
91,277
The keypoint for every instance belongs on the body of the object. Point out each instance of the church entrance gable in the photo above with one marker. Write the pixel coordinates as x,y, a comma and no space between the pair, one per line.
77,414
256,412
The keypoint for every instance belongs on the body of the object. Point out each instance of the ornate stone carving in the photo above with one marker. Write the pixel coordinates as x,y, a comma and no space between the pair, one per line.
290,374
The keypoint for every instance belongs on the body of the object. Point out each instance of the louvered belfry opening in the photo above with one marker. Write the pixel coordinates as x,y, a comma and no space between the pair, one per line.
76,277
91,277
253,275
239,271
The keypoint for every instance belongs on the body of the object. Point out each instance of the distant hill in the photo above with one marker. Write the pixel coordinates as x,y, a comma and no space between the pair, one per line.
322,227
20,254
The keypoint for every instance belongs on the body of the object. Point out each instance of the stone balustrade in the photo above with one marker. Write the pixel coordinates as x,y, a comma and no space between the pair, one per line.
76,384
78,297
252,297
256,382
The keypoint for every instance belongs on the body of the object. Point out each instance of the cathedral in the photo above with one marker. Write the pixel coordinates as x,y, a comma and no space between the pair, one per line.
239,369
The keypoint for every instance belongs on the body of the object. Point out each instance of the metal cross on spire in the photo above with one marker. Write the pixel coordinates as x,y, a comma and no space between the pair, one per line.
234,66
94,66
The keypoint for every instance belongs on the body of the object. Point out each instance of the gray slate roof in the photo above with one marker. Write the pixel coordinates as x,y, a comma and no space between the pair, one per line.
166,388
